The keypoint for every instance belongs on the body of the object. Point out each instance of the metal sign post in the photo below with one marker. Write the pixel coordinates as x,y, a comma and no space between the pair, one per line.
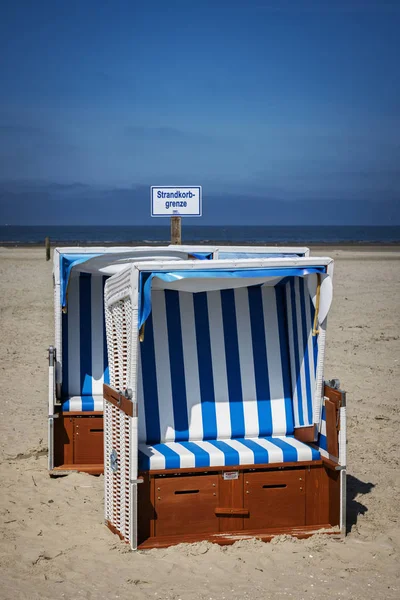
176,202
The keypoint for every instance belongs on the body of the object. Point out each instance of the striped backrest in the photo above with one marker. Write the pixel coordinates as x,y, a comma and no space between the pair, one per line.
215,365
84,348
222,364
303,348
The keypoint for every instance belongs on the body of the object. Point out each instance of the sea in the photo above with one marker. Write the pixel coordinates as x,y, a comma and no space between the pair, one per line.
11,235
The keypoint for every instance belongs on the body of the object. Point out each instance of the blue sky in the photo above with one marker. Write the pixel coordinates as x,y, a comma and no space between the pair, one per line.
287,101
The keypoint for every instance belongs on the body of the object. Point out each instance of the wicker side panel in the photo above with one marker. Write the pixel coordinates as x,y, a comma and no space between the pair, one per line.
117,437
116,470
108,480
118,327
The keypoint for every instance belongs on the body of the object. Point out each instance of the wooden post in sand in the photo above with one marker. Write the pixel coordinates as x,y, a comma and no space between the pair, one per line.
176,230
47,244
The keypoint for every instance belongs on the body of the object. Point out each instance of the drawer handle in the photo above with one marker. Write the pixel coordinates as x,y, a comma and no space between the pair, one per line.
96,430
187,491
244,512
275,486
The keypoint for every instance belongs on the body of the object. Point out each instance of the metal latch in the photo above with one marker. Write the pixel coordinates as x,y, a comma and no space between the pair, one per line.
125,394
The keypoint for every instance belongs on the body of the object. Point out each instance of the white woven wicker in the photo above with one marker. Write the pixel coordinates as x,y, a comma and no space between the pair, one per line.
319,378
120,441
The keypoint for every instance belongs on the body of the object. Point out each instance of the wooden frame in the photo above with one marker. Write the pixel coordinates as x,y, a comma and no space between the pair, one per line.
333,403
225,504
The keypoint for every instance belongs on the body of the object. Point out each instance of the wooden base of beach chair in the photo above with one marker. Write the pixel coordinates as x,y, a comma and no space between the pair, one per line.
223,505
228,538
80,468
78,443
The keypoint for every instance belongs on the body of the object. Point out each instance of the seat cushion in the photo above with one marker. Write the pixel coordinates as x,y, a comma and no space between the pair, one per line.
220,453
82,403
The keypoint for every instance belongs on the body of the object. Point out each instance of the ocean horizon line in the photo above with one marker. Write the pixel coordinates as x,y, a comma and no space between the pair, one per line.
30,235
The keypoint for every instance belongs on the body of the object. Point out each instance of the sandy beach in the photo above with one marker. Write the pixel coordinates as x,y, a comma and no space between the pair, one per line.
53,543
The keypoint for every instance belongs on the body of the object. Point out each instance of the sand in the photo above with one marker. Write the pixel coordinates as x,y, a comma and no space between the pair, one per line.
53,543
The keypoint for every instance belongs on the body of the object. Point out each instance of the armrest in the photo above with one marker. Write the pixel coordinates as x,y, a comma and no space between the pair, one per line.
121,400
308,435
334,400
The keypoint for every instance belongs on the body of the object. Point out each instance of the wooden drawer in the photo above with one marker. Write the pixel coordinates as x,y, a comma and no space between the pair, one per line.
275,499
186,504
78,440
88,440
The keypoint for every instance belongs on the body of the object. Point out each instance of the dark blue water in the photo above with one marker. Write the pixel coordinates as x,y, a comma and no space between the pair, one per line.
22,235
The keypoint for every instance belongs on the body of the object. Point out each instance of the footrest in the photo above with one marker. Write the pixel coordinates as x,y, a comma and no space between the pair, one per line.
203,505
223,512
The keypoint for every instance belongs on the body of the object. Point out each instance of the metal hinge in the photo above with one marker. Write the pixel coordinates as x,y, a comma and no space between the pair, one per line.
52,355
333,383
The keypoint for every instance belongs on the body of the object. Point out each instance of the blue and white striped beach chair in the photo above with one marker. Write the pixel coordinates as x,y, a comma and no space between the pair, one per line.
78,360
213,423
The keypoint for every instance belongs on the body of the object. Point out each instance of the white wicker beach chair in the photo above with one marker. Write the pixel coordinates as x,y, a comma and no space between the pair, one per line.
78,361
218,425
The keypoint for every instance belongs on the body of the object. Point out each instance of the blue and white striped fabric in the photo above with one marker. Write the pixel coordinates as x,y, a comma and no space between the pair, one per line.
84,348
83,404
322,441
303,348
225,376
220,453
214,365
